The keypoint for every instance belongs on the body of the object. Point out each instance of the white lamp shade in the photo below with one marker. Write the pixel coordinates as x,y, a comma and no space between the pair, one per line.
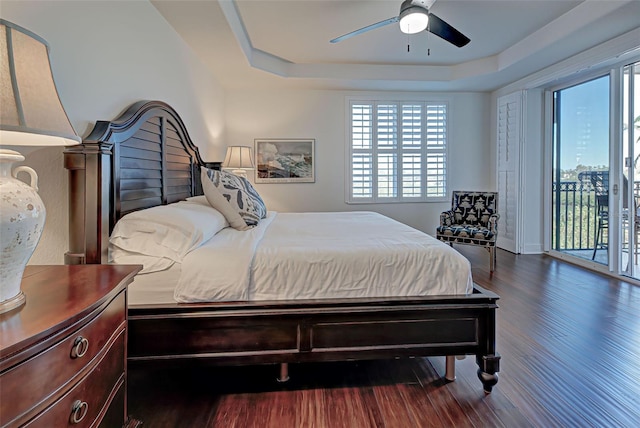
238,157
413,20
31,113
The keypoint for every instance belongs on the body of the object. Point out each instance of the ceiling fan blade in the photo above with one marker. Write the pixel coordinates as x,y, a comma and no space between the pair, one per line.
445,31
365,29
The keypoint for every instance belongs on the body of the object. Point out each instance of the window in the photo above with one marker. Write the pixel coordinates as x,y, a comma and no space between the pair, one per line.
397,151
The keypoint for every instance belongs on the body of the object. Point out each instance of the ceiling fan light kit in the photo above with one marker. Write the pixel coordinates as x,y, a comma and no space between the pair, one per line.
413,19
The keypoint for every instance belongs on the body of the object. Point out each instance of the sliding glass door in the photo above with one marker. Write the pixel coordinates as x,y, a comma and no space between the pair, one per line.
596,171
580,217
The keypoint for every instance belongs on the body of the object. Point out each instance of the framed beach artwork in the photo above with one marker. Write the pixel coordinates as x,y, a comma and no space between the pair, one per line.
285,161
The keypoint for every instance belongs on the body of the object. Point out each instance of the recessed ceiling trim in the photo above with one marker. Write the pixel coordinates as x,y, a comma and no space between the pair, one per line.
370,72
232,16
616,50
281,67
475,68
586,13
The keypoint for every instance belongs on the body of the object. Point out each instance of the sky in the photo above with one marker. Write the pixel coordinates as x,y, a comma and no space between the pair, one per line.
584,124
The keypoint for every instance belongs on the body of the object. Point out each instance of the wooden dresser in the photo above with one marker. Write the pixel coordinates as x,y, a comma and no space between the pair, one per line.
63,354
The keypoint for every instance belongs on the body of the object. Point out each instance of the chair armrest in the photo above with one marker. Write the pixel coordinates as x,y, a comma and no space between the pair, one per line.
493,223
446,218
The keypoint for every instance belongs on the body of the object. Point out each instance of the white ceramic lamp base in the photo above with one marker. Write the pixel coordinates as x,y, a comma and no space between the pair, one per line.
22,216
240,173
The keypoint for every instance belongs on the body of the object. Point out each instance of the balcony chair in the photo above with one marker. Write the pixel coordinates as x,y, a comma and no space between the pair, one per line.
599,181
472,220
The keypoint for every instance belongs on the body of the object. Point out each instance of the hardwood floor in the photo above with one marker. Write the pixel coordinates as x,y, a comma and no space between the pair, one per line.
570,346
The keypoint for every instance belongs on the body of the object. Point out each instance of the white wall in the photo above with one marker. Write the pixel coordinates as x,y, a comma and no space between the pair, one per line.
251,114
106,55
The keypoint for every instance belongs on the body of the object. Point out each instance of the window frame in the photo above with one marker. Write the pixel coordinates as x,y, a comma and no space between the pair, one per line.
399,101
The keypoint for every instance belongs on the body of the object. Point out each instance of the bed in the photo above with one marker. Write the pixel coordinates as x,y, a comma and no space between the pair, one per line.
145,158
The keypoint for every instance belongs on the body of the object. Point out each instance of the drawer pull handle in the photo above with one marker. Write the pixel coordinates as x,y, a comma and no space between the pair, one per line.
79,410
80,347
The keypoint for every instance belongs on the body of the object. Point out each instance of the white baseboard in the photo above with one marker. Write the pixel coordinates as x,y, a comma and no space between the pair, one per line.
533,249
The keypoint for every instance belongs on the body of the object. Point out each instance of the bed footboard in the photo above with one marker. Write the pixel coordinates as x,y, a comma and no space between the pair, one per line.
289,332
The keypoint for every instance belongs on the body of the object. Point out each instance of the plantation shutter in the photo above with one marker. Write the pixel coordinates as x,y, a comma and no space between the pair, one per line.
412,153
397,151
436,150
509,136
387,150
361,151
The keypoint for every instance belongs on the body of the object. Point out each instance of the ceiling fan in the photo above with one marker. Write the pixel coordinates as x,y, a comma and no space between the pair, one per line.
415,17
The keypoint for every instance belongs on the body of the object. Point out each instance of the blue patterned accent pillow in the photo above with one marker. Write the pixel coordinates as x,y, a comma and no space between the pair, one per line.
240,195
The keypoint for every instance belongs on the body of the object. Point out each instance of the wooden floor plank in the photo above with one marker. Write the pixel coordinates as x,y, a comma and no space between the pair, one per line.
569,340
311,408
390,381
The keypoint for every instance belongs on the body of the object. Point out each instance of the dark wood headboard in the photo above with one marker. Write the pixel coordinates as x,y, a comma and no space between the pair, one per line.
143,158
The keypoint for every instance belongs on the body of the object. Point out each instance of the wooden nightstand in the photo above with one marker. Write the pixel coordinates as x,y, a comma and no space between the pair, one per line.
63,354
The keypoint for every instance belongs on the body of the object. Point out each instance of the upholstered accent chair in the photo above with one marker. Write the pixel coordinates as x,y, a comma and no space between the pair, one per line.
472,220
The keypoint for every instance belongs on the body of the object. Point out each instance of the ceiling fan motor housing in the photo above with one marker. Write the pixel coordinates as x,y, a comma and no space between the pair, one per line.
414,16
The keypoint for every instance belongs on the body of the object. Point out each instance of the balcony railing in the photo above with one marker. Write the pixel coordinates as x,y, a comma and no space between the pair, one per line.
576,216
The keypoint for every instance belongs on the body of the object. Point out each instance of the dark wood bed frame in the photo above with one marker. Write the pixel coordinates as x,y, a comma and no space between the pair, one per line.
146,158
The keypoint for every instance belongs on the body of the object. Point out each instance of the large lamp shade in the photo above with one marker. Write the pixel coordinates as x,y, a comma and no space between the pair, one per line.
31,114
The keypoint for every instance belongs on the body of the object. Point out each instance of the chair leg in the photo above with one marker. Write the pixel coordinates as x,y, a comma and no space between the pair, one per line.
595,244
495,257
492,259
635,241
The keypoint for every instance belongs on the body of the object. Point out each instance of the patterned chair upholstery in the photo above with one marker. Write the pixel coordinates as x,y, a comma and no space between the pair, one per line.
472,220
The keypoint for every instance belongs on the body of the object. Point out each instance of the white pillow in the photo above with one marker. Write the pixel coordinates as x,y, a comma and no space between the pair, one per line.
202,200
167,231
234,197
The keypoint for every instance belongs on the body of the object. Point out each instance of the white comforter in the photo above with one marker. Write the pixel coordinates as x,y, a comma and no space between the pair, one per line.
322,255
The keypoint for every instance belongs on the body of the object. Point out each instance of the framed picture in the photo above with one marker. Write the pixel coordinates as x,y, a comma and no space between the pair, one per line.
285,161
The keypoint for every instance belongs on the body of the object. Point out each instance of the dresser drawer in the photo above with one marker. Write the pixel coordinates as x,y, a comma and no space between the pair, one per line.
34,382
117,409
89,399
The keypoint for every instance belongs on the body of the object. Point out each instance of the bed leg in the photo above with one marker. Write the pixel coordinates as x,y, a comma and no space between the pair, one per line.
284,372
450,371
489,365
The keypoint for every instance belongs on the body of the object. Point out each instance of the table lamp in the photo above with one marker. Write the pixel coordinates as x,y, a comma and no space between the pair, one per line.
31,114
239,159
